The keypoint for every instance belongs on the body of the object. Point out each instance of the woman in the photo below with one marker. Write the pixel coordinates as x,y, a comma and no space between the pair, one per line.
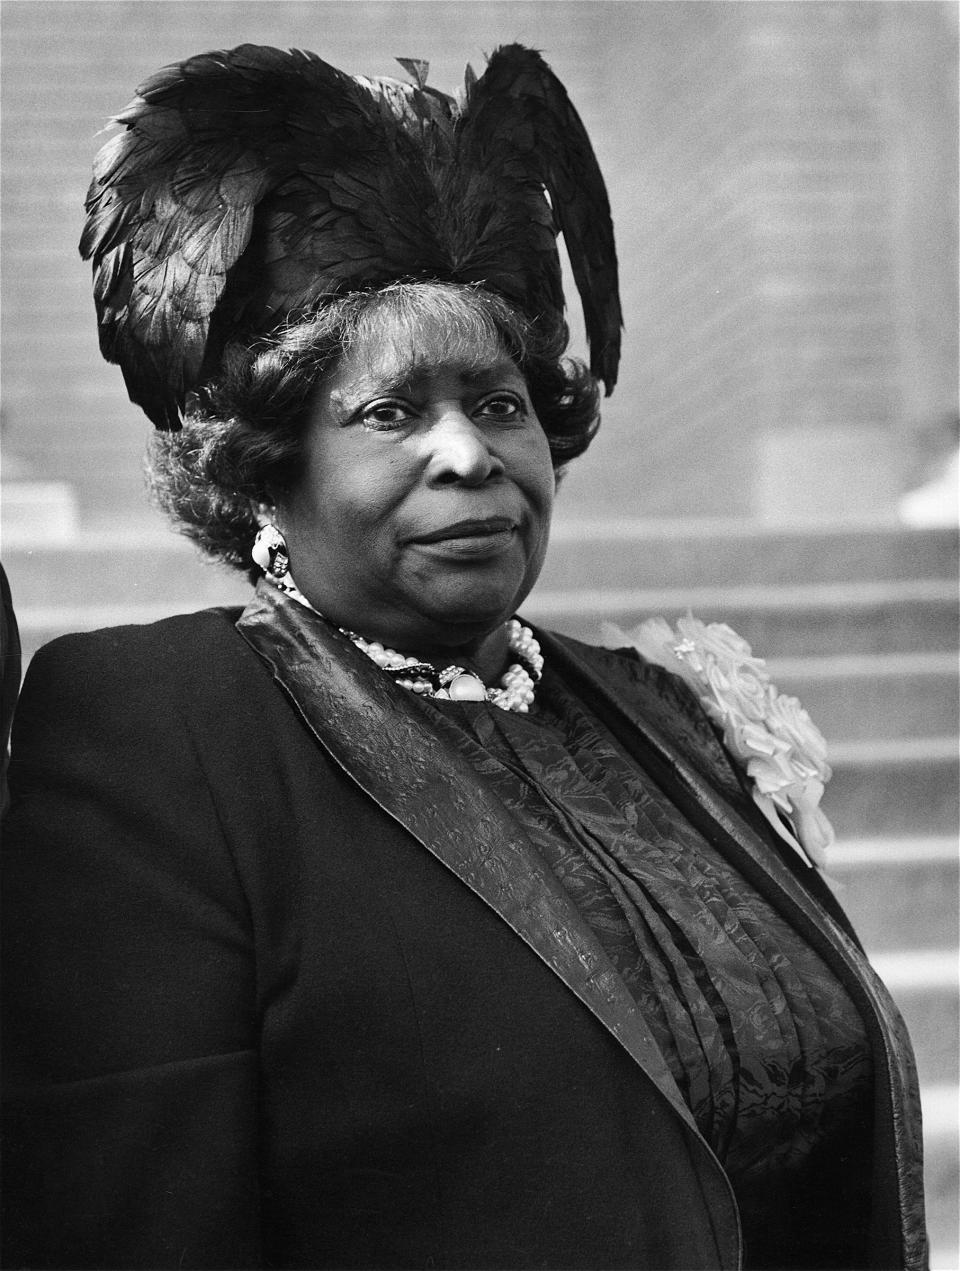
367,927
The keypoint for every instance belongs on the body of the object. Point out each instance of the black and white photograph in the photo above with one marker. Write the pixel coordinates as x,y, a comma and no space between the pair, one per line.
480,635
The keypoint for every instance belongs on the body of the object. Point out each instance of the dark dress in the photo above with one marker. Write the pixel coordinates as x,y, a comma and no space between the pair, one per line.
766,1046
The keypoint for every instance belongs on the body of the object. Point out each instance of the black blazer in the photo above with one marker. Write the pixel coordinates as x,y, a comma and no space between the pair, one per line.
286,987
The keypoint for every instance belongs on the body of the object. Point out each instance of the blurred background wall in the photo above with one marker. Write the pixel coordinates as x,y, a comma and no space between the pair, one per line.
784,184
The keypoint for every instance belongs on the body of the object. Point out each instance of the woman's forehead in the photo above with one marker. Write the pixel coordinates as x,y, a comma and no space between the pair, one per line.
391,348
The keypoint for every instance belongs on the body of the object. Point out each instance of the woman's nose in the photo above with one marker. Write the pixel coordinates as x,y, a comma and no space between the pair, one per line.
460,452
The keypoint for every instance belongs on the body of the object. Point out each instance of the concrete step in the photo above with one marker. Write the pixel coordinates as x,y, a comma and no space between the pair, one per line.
904,788
103,580
864,696
900,893
818,620
941,1151
110,570
655,554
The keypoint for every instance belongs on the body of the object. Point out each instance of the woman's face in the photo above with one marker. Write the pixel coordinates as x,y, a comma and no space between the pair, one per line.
422,514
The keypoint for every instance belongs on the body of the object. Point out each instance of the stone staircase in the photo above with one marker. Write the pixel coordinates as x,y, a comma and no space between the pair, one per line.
858,621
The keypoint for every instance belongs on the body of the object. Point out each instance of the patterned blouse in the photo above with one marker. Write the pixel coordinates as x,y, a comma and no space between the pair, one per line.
765,1045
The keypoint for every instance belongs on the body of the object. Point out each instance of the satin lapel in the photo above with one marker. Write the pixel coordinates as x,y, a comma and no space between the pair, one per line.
367,726
716,817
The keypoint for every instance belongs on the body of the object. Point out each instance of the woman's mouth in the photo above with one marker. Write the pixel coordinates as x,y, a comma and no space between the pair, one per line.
478,538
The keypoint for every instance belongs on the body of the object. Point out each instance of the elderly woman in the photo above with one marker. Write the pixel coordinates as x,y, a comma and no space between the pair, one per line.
368,927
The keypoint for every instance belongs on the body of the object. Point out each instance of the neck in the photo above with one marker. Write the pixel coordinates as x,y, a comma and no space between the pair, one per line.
486,654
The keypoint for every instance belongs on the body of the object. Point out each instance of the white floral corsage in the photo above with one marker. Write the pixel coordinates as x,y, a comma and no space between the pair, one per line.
783,751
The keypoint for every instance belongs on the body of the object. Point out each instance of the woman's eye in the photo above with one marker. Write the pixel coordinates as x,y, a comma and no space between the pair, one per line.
385,415
503,406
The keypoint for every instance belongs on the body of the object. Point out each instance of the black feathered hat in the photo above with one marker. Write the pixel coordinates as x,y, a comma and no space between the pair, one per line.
246,185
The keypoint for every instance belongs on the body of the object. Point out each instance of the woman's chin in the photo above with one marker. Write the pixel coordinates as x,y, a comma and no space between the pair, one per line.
479,592
467,617
452,615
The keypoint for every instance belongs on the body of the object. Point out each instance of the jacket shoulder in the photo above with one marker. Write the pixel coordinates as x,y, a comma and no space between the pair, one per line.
180,634
646,691
626,668
115,679
182,644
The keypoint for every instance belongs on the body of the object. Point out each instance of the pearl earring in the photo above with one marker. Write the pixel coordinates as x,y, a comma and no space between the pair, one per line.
270,552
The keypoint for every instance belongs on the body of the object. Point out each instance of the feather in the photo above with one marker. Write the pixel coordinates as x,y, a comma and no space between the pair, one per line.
247,184
416,68
521,127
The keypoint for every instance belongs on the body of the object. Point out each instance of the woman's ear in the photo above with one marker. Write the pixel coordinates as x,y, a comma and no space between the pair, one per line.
265,513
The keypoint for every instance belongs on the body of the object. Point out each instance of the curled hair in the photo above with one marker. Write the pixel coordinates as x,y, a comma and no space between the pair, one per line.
242,437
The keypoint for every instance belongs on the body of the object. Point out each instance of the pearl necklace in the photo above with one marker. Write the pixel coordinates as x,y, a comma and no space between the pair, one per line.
456,683
453,683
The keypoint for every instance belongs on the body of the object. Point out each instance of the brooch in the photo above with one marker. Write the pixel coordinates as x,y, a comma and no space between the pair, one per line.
767,732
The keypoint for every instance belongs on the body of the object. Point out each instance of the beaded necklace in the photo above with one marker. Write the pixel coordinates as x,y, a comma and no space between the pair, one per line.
453,683
456,683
